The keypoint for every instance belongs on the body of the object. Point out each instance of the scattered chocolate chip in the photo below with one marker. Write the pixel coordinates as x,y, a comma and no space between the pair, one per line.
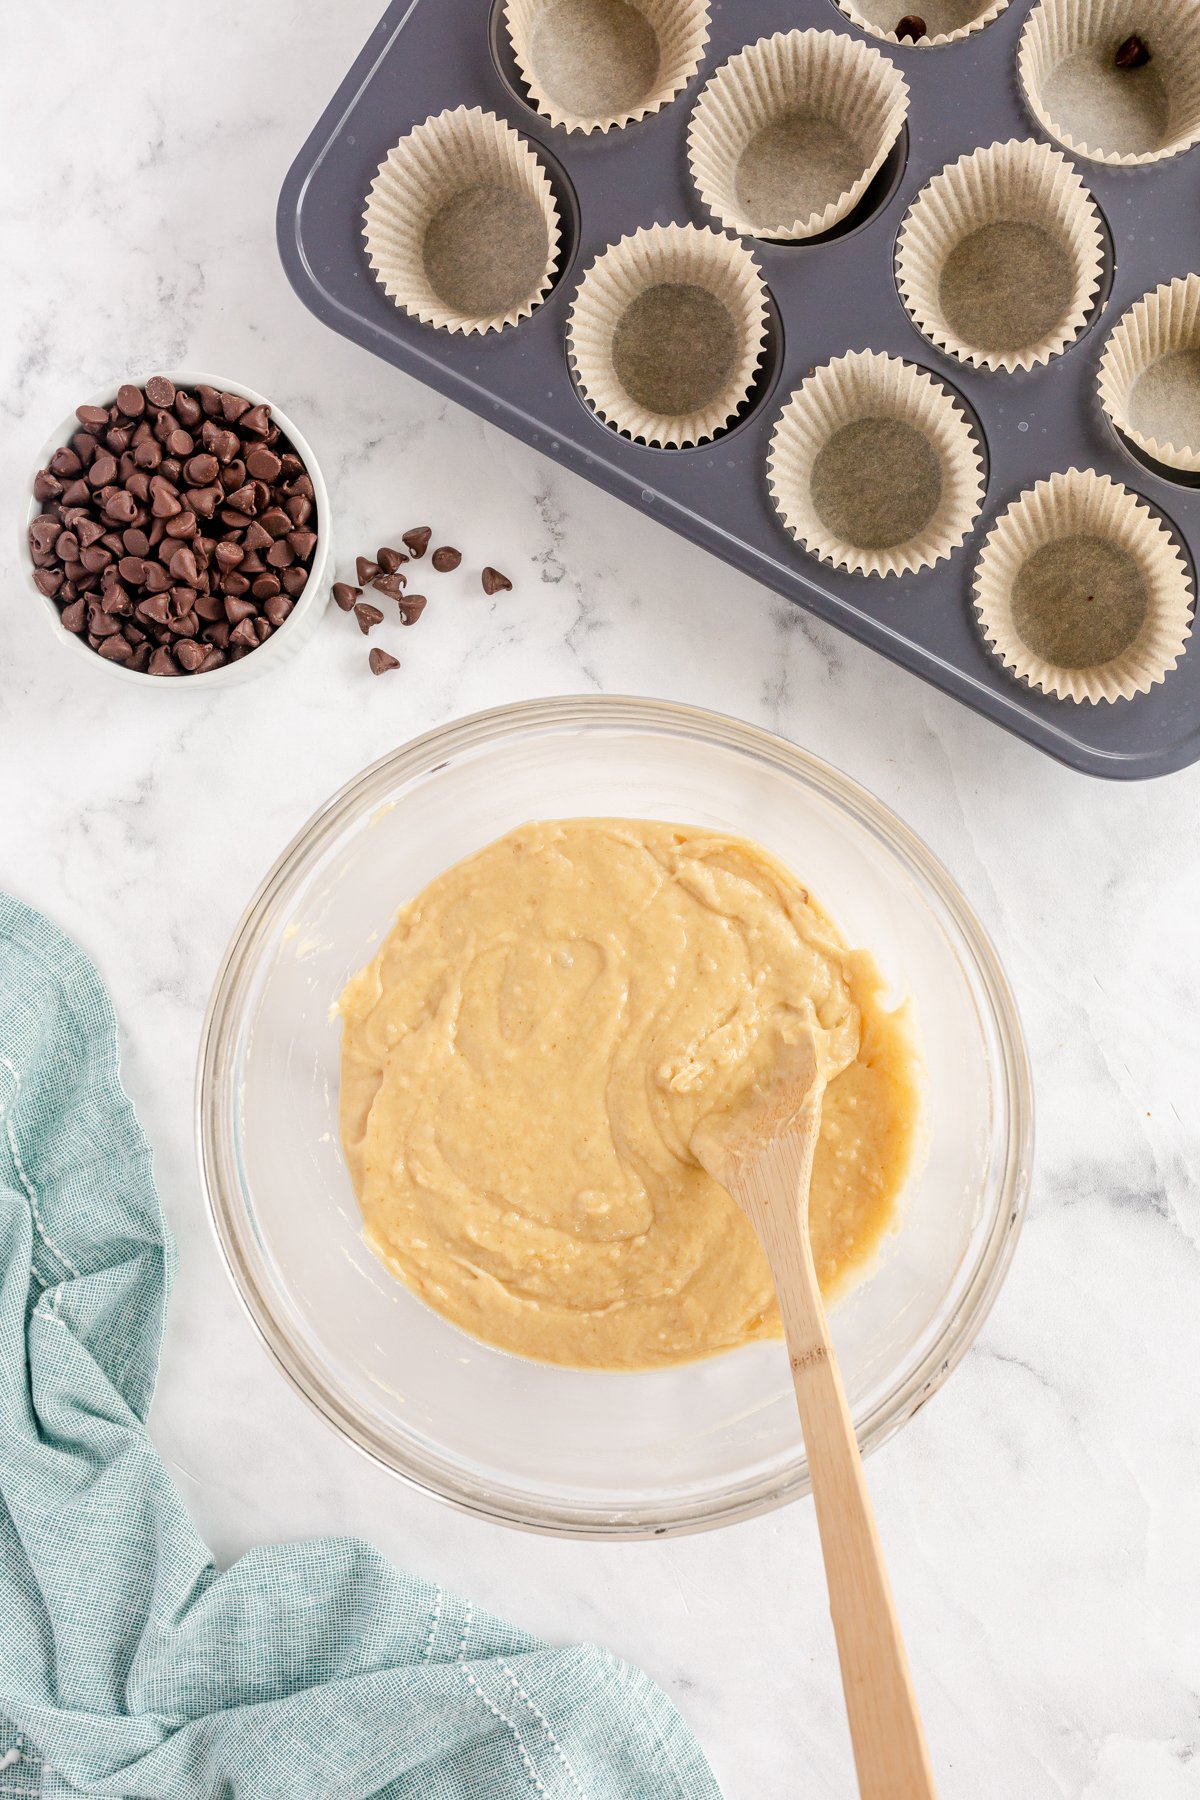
912,26
390,560
365,570
368,616
416,541
391,585
446,559
411,608
494,581
381,662
1132,54
344,595
177,528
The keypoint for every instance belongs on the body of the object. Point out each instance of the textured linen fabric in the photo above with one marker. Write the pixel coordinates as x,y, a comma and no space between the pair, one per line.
128,1664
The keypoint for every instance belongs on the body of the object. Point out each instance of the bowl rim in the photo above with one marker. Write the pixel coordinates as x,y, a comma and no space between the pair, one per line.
429,1473
231,673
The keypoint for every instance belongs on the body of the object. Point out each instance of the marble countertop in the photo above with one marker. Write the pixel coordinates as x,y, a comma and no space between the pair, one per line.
1041,1515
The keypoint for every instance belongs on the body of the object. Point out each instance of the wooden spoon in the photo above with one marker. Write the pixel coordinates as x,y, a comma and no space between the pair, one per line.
762,1153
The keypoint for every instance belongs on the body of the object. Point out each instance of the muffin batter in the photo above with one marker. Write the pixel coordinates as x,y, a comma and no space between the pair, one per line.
524,1063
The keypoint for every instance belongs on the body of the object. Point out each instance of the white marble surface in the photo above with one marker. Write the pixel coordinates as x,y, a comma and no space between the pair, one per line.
1042,1514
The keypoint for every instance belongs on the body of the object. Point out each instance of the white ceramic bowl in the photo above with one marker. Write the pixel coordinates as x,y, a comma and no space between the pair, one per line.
304,617
591,1453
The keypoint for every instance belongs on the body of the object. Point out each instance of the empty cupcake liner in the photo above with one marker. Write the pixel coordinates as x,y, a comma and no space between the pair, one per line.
595,65
945,21
1150,374
786,138
1081,591
460,224
1000,257
1078,94
666,332
874,468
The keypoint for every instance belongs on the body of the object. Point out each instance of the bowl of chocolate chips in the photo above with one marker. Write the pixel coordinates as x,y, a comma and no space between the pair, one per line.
179,527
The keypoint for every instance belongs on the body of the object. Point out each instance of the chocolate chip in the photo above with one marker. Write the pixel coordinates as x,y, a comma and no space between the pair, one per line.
121,508
44,532
92,418
190,654
188,410
263,464
389,560
303,543
160,392
493,581
365,570
1132,54
411,608
416,541
74,615
48,581
257,421
263,587
294,580
277,608
65,462
446,559
381,662
344,595
912,26
391,585
46,487
102,471
368,616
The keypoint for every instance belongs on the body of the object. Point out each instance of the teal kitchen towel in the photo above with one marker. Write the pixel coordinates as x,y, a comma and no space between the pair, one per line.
128,1664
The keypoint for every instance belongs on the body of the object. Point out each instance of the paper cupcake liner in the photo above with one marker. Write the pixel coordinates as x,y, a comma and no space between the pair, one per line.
1034,618
666,332
874,468
1075,91
947,21
787,137
461,227
1030,200
1150,374
595,65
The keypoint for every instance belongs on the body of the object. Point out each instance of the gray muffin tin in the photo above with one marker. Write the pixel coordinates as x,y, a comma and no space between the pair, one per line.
829,296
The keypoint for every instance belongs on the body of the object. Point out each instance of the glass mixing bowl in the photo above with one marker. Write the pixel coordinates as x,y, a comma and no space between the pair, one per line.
589,1453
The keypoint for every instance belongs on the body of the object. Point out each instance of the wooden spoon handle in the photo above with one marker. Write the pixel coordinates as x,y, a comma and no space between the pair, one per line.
890,1753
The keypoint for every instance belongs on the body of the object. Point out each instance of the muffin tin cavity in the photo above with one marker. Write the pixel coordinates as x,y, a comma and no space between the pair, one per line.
1001,257
1082,592
461,225
874,467
1150,378
1114,80
597,65
787,137
945,21
862,205
666,332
